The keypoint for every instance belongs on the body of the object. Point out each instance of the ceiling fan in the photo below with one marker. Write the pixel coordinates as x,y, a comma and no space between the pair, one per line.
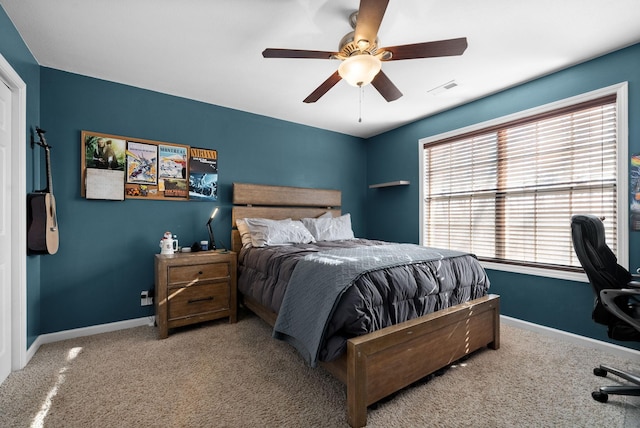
362,58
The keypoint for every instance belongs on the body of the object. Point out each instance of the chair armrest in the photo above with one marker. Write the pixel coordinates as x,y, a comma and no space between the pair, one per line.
634,284
607,298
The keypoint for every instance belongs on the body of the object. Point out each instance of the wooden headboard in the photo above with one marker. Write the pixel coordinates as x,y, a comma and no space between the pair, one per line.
279,202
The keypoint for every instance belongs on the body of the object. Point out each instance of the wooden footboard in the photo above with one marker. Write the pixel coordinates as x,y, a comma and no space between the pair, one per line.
385,361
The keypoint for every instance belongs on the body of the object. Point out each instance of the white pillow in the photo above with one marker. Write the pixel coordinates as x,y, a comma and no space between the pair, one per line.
277,232
245,234
330,229
243,229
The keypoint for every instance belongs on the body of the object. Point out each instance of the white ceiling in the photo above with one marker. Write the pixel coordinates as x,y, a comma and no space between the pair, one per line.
210,50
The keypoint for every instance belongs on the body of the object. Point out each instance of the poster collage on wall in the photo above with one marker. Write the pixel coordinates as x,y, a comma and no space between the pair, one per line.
118,168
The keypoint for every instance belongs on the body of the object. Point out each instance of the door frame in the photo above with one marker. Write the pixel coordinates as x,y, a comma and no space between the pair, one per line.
18,220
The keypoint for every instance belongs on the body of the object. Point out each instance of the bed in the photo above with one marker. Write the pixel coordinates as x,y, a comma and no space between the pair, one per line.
372,364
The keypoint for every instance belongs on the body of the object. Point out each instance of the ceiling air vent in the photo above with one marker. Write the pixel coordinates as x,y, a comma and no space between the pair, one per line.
444,87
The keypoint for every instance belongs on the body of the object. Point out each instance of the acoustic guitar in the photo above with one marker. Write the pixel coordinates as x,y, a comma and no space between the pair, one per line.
42,232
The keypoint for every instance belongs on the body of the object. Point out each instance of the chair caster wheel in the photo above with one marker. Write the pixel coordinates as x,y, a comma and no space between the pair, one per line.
599,372
600,396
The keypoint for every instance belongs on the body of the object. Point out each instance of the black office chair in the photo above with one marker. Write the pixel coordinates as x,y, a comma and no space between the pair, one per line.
617,303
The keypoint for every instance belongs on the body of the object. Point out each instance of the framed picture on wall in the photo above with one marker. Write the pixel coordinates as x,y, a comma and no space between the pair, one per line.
634,209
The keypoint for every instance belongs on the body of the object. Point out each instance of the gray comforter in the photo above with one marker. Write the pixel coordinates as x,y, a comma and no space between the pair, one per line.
380,297
319,279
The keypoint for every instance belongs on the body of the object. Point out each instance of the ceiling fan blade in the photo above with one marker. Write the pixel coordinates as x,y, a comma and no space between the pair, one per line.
369,18
386,87
297,53
449,47
323,88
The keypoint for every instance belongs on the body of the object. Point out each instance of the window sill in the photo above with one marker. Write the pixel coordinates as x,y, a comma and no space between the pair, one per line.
527,270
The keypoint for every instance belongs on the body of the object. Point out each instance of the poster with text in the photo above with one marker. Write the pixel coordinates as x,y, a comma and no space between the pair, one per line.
203,174
172,171
142,163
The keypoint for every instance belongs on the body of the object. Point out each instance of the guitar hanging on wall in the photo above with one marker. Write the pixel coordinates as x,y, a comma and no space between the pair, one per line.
42,229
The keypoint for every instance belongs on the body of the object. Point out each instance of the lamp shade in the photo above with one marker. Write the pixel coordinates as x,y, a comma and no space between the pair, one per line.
359,70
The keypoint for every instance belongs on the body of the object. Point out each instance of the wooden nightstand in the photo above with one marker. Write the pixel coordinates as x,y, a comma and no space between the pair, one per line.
194,287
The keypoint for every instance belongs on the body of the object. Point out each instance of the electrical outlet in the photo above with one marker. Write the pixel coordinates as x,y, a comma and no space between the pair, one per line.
145,300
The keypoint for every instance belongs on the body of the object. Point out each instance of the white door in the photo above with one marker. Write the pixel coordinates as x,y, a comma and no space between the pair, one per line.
5,231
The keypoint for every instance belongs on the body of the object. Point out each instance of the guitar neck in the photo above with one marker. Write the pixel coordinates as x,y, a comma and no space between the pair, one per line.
46,147
49,188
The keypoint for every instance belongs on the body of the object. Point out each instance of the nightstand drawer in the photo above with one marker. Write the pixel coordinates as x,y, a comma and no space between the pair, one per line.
198,299
195,273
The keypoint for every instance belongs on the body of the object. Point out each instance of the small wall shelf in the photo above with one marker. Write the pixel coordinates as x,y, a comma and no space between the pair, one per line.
390,184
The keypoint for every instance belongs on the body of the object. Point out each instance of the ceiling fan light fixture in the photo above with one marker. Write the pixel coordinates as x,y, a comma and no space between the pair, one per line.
359,70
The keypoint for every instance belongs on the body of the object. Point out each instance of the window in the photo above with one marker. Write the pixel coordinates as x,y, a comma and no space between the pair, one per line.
506,191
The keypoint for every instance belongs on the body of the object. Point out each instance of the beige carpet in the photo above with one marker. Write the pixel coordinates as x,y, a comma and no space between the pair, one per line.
236,375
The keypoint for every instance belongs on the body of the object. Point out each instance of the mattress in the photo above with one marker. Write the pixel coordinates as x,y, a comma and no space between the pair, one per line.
374,300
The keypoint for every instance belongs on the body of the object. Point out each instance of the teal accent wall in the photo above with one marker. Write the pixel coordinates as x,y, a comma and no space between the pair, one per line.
395,155
107,248
17,54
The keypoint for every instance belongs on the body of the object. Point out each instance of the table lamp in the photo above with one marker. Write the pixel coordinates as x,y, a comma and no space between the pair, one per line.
212,242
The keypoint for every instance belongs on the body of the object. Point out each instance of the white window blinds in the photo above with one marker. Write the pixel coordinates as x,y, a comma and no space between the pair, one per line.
507,193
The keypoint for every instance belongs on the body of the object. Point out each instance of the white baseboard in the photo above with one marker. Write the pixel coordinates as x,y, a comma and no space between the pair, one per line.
587,342
86,331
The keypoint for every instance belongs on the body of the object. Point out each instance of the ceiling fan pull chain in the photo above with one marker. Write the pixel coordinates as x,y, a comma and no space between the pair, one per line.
360,106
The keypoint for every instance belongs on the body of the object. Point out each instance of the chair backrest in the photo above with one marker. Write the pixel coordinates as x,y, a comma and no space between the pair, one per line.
598,261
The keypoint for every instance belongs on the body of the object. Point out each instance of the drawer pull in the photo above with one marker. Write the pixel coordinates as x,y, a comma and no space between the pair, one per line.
200,273
202,299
